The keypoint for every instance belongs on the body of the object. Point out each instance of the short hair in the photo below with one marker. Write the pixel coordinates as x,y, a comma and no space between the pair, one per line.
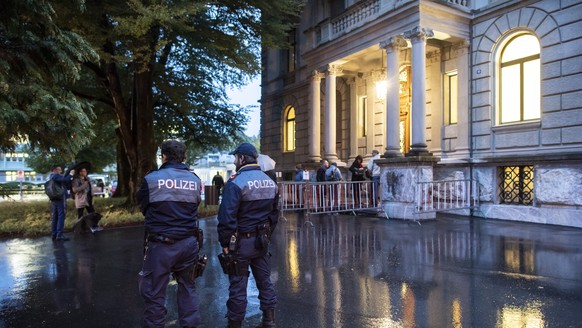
174,150
53,167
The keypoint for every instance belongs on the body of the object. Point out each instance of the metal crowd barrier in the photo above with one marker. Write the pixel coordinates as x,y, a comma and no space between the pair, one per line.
328,197
436,196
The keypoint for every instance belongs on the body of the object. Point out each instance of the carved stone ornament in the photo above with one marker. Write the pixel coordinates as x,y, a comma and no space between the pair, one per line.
393,44
418,34
317,75
334,69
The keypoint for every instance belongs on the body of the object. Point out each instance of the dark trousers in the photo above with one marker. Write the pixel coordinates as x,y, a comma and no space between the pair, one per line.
80,211
160,260
260,263
58,208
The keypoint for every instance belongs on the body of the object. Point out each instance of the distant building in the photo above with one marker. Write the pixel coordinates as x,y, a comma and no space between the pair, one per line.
207,166
13,162
489,90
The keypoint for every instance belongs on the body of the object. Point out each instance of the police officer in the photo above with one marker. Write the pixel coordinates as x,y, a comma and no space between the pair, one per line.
169,199
248,215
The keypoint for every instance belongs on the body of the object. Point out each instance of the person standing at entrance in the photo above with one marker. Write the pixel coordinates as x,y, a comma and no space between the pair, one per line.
357,170
247,217
376,172
169,199
59,204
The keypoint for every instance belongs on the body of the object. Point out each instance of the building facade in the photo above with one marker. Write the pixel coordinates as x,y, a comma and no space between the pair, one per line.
488,90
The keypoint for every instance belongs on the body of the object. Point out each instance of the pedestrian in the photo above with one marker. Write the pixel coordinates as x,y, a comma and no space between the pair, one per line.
298,177
81,187
247,218
321,188
333,173
169,199
320,175
375,169
218,183
59,204
357,170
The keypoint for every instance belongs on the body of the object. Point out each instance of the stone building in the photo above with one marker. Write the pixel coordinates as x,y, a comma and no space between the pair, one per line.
488,90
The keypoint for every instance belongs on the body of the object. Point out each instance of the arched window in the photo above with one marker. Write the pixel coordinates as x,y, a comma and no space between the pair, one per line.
519,79
289,129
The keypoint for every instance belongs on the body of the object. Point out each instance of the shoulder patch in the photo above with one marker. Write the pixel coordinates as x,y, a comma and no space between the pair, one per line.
232,177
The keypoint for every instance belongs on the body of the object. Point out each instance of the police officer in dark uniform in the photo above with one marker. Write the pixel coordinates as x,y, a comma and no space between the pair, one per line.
169,199
246,218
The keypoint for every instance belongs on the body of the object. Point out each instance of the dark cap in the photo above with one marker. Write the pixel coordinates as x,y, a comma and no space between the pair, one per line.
247,149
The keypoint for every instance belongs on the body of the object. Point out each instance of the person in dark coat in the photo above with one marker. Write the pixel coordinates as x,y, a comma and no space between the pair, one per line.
247,216
169,199
59,204
357,170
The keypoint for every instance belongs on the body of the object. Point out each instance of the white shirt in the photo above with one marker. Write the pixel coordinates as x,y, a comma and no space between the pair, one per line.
375,169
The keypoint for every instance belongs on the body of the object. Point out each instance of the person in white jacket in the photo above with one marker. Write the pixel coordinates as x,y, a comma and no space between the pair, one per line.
375,170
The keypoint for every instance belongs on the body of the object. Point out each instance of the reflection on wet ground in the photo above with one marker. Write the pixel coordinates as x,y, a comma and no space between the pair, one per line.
341,272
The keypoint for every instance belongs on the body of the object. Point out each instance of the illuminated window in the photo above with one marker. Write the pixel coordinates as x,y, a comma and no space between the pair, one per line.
516,185
362,114
519,80
289,129
451,86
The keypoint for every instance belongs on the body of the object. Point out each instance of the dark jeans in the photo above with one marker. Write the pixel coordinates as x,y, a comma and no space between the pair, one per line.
58,208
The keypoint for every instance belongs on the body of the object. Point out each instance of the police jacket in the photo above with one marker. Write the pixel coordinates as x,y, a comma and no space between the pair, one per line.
169,198
249,200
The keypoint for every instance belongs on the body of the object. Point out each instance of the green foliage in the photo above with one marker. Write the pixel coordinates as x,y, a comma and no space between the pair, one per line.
38,60
193,49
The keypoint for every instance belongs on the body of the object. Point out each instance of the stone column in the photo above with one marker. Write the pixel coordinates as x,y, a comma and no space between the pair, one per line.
330,113
352,82
418,37
392,47
463,109
434,76
315,118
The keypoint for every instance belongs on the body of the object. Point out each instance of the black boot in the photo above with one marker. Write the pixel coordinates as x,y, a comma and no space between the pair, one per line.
268,319
234,324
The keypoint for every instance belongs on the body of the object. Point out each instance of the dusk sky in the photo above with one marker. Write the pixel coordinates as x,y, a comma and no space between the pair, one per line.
249,95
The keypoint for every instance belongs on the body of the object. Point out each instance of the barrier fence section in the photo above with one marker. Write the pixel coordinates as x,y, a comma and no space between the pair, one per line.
448,195
328,197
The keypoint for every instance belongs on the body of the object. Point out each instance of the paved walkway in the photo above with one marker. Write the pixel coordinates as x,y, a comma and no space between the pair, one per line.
341,272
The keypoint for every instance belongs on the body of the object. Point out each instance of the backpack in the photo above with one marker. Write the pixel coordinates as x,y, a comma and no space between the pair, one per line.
54,190
331,174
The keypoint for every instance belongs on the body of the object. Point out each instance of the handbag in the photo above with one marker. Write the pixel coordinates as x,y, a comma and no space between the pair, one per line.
368,173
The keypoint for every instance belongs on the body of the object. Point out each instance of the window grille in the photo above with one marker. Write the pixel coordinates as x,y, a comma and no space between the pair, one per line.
516,185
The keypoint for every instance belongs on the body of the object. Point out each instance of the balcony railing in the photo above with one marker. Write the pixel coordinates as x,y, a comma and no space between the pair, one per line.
365,12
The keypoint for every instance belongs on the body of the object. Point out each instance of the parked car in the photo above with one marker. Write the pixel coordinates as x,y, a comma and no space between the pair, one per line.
112,188
98,185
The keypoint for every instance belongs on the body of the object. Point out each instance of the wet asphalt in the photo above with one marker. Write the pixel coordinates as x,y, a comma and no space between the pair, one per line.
329,271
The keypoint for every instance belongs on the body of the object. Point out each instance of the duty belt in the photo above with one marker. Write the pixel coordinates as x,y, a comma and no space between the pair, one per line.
247,234
156,238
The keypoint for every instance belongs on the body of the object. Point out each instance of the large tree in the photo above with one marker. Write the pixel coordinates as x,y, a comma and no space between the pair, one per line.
164,65
38,59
